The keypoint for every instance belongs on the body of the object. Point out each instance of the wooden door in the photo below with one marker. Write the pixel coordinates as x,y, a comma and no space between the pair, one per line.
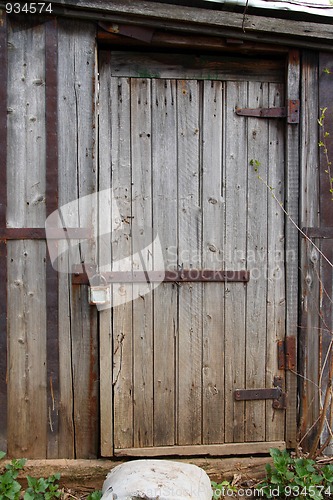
183,166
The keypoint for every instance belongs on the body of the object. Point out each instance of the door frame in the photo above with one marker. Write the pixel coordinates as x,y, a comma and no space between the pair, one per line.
292,161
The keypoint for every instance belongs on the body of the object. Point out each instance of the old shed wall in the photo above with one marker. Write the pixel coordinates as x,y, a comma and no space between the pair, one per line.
52,376
49,380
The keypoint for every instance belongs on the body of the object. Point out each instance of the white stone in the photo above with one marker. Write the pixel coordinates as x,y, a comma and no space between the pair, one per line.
157,480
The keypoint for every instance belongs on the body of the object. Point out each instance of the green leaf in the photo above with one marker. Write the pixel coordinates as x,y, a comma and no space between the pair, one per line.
2,455
95,495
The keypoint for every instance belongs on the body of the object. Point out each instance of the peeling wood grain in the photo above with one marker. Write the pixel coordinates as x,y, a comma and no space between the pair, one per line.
164,157
51,195
213,229
235,257
292,193
276,295
189,255
309,334
79,417
27,410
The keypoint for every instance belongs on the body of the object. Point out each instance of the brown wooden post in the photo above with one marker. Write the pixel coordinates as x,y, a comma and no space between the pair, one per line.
326,215
52,300
3,245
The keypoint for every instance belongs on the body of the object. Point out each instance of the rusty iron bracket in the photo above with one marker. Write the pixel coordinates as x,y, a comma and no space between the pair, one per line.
291,112
287,354
276,393
325,233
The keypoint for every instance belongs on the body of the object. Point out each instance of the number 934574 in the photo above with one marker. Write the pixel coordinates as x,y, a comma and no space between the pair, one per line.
28,8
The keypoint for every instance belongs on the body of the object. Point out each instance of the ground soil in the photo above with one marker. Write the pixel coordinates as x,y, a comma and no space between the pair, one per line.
81,477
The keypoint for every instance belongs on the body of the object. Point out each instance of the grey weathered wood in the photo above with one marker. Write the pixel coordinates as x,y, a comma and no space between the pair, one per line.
256,264
164,158
235,258
213,207
77,178
122,247
156,14
276,294
187,66
189,255
143,367
208,449
309,217
292,192
27,412
104,256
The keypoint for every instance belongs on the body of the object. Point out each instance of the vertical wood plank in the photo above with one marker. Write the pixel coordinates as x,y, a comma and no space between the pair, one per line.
309,217
235,258
3,220
326,220
141,132
105,228
257,264
213,258
27,411
164,158
276,301
292,189
51,195
77,178
190,255
122,247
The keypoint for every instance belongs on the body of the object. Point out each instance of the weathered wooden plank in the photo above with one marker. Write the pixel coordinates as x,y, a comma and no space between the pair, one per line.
187,66
188,17
77,178
142,235
3,246
326,220
104,256
27,411
292,190
189,255
235,257
26,273
51,200
164,175
257,264
208,449
122,246
213,204
276,301
309,217
174,40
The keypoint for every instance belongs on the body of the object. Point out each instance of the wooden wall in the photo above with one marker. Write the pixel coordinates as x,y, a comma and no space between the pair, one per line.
51,412
316,318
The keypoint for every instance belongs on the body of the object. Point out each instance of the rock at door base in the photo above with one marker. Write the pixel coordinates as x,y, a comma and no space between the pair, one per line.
157,480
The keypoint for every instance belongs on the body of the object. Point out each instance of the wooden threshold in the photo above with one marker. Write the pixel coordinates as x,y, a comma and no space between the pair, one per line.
207,450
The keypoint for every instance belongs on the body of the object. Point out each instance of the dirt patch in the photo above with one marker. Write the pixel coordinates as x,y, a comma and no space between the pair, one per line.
79,478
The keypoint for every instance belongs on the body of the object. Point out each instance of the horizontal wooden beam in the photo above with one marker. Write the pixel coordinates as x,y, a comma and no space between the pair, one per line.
183,276
318,232
39,233
207,450
211,22
187,41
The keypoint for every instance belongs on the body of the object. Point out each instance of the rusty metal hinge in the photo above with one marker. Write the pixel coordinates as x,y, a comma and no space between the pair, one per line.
287,353
276,393
325,233
290,111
